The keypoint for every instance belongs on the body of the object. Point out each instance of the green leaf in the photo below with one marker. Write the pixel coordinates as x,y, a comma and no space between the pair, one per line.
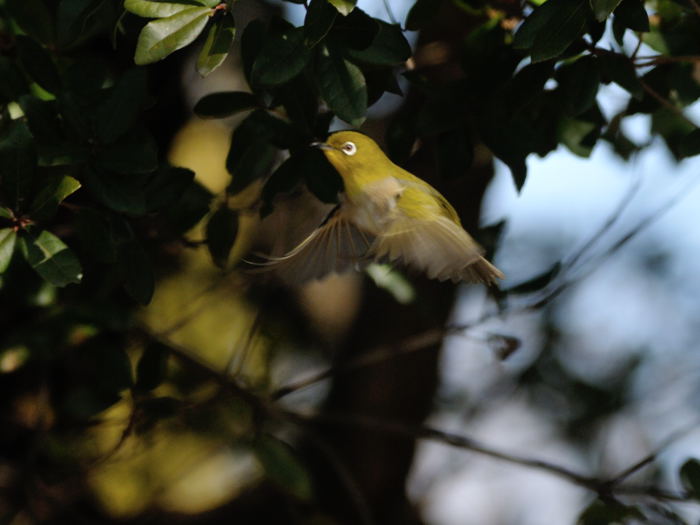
166,35
690,144
355,31
609,513
17,165
551,28
572,133
151,9
51,195
225,104
51,258
152,366
578,84
7,247
389,47
96,232
690,477
631,14
166,186
222,229
283,467
342,86
252,41
78,20
422,12
318,21
344,7
137,272
603,8
281,58
123,106
122,193
283,179
321,178
217,45
672,128
5,213
34,17
254,163
37,62
619,68
135,152
189,209
13,84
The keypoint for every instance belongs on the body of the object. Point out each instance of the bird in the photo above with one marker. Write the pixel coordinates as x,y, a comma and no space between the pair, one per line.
385,214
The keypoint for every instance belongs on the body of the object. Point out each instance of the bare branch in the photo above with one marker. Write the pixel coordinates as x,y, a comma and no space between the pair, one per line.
665,102
602,487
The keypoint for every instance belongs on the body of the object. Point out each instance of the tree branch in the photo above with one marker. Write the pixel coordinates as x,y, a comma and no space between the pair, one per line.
605,488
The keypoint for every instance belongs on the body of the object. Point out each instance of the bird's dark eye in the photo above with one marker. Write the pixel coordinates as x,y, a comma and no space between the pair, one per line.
349,148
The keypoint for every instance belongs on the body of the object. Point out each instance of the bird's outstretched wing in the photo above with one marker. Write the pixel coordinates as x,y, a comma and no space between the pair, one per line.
437,245
337,245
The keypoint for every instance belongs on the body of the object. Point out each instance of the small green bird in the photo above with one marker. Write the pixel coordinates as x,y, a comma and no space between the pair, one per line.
385,214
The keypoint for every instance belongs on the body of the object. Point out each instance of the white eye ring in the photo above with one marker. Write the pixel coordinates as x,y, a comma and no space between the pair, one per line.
349,148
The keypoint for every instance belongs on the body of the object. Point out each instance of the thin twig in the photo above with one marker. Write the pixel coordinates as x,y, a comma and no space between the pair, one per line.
390,13
609,223
646,460
665,102
380,354
595,484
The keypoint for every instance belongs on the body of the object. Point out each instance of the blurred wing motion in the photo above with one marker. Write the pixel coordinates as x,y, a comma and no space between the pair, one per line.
438,246
335,246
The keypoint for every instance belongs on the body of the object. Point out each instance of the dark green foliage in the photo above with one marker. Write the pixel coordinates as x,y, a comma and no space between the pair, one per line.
92,215
221,234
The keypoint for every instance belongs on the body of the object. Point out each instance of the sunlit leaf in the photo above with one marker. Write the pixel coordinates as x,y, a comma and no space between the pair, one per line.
7,247
151,9
344,7
52,193
51,258
166,35
217,45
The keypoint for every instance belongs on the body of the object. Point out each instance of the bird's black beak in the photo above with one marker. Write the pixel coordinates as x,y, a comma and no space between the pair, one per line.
321,145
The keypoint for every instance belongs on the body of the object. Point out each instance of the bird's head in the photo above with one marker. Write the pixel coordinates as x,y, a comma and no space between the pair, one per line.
352,152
